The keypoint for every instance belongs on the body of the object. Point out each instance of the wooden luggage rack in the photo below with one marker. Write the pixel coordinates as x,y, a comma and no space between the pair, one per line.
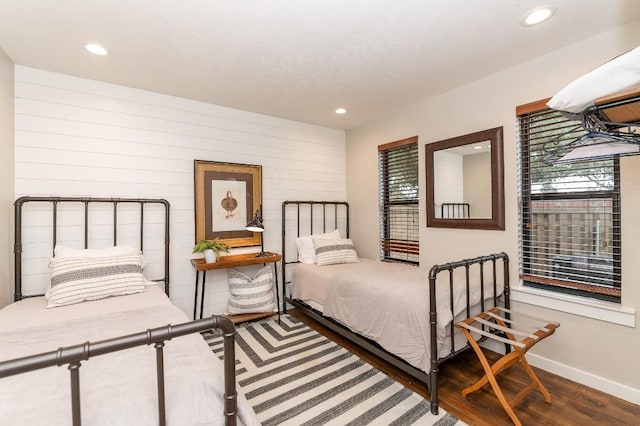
493,325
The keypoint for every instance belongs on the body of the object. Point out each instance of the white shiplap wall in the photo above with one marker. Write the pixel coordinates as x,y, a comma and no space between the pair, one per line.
448,172
6,174
79,137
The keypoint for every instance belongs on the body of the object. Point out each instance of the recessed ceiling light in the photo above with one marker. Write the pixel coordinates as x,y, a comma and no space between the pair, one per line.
96,49
341,111
538,16
477,147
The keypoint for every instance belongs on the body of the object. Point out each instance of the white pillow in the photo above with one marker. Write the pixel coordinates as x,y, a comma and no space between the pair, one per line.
62,252
331,252
306,249
250,294
76,279
619,74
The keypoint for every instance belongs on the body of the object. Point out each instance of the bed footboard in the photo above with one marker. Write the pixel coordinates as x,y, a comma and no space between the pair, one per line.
494,300
73,355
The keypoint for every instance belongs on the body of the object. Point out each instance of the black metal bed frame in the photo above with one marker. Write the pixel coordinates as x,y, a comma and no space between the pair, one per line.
74,355
430,378
455,211
337,206
54,201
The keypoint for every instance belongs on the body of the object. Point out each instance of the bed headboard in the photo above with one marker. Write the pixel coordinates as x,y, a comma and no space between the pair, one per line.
101,220
454,211
301,218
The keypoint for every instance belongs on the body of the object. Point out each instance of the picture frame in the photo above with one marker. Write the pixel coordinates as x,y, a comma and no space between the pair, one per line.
226,197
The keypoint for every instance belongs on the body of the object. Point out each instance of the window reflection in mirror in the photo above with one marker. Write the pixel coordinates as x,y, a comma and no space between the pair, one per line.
465,181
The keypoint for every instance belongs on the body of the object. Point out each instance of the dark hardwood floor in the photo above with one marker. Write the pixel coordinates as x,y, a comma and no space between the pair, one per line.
573,404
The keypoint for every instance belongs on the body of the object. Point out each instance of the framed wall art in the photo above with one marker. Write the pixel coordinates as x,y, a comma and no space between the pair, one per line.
227,196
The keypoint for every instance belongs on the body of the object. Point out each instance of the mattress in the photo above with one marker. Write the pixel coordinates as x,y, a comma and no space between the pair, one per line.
32,311
389,304
117,388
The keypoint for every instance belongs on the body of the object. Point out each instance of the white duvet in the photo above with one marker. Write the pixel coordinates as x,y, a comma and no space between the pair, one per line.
118,388
389,303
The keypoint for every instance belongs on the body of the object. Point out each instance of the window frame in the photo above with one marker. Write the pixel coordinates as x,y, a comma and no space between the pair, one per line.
526,197
393,249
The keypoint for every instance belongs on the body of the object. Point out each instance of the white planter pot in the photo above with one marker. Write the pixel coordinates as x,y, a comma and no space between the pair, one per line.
209,256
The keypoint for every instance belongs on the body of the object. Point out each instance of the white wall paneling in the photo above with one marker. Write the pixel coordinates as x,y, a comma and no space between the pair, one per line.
6,173
448,179
78,137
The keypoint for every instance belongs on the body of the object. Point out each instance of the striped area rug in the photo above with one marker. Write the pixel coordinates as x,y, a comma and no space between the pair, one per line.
293,375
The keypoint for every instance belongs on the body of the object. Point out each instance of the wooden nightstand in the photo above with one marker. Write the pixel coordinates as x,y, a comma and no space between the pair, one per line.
233,261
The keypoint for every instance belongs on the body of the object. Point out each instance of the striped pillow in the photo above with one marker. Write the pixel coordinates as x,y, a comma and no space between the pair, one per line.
331,252
76,279
250,295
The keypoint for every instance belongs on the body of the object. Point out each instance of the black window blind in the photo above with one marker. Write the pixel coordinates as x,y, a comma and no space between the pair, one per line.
398,190
569,213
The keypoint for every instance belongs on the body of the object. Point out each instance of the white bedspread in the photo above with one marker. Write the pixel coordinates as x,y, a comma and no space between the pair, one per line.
387,302
118,388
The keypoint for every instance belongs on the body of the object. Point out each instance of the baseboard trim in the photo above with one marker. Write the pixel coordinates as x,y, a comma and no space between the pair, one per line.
604,385
610,387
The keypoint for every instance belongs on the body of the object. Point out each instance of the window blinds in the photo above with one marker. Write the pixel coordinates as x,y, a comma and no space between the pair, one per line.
398,189
569,213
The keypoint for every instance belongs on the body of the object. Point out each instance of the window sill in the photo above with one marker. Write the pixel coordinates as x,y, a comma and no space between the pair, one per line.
595,309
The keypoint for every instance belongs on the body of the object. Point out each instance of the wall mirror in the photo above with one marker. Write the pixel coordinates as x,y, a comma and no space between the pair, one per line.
465,181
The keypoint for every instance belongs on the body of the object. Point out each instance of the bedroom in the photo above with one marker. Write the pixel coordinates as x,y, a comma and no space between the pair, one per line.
107,150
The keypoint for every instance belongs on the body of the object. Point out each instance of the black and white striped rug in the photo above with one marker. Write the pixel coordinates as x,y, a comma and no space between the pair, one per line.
293,375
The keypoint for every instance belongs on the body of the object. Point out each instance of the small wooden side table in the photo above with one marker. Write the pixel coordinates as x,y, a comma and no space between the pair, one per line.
233,261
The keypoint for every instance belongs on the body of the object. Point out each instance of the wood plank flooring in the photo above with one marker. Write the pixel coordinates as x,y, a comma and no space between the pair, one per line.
573,404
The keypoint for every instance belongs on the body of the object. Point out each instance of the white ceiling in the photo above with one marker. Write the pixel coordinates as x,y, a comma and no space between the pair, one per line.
296,59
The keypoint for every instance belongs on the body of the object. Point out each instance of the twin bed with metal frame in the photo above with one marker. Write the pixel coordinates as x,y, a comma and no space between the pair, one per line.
118,385
431,304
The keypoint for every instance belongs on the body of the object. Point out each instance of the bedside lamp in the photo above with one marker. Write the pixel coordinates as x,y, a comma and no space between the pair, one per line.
256,226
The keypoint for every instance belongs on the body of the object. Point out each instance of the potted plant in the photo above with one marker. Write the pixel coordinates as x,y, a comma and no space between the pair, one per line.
211,249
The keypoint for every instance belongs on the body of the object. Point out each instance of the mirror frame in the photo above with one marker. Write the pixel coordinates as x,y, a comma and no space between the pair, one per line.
496,222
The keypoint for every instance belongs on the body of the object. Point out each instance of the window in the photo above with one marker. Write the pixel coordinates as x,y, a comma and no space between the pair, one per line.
398,187
569,213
